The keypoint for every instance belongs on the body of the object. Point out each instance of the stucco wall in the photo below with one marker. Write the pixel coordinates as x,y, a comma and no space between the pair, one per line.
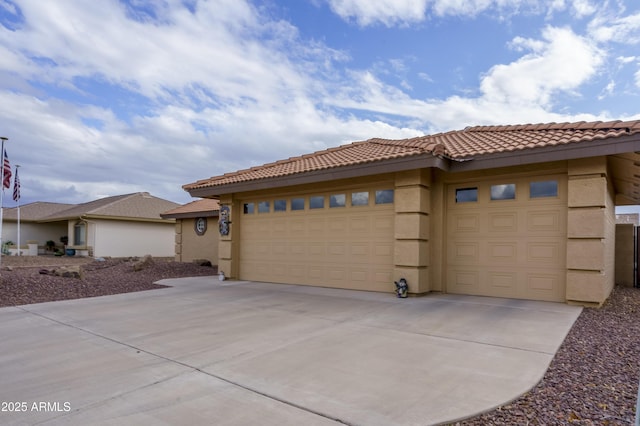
40,232
591,232
190,246
123,239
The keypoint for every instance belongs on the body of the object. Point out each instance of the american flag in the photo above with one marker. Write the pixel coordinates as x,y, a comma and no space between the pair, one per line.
7,171
16,186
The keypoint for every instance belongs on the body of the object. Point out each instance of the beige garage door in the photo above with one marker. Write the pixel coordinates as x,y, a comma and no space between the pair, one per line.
345,241
507,238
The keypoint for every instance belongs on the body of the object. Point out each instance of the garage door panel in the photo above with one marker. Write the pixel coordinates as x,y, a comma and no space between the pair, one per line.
350,247
464,252
383,224
503,252
383,253
464,281
360,225
544,252
546,286
504,281
503,222
465,223
507,248
336,249
545,221
360,251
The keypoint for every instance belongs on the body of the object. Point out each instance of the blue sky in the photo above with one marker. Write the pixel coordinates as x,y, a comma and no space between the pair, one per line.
112,97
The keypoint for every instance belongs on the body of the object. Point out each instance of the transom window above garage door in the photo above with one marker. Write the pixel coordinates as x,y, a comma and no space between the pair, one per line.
316,202
507,191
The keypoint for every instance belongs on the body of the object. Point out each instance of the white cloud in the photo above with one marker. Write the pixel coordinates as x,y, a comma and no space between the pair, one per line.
561,62
386,12
583,8
221,87
621,30
520,91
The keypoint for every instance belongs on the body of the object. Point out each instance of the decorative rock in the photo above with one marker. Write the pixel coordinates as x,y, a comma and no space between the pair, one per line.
143,263
202,262
69,272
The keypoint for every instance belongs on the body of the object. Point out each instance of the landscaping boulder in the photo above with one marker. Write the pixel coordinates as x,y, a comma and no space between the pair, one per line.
143,263
73,271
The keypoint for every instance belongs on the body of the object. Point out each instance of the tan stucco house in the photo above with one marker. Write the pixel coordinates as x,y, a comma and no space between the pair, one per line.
118,226
518,211
196,230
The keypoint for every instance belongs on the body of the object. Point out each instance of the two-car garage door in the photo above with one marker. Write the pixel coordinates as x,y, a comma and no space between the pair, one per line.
340,244
507,238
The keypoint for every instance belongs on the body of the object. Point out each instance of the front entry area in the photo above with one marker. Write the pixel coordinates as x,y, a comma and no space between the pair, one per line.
507,238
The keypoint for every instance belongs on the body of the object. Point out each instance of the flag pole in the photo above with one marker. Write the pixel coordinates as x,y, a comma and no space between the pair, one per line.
18,201
2,197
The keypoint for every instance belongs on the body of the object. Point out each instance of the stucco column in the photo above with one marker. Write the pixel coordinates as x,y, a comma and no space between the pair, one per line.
228,261
590,232
411,249
178,240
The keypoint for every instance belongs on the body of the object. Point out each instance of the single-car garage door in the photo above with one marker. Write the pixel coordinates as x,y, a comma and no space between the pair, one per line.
507,238
340,240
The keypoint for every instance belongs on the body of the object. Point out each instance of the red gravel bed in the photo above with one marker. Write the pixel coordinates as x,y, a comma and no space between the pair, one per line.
25,284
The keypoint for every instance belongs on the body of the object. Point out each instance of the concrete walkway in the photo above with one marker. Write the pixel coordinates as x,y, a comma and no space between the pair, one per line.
241,353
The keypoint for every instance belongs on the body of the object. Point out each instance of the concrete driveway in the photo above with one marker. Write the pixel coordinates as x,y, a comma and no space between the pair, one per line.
244,353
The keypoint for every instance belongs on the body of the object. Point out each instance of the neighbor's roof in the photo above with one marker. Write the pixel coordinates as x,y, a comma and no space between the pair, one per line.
136,206
460,145
35,211
198,208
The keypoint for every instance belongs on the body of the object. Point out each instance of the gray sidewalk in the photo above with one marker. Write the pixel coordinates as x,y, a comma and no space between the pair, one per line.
244,353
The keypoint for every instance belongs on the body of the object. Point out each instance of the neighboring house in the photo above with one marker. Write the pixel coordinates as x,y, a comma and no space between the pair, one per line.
522,211
196,230
30,228
118,226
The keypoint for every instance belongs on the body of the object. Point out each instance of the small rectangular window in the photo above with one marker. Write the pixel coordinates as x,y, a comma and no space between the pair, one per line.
384,197
79,234
466,195
503,192
248,208
297,204
338,200
280,206
548,188
360,198
264,207
316,202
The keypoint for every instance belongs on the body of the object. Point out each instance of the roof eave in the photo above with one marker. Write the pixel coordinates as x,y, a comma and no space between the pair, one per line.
325,175
572,151
190,215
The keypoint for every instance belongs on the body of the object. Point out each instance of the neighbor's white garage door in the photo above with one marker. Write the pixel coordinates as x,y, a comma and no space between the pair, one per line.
345,247
507,238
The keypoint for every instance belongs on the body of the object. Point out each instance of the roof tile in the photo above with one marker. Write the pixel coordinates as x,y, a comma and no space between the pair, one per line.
461,144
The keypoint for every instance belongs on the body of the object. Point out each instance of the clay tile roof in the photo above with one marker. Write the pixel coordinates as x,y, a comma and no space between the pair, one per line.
465,144
198,208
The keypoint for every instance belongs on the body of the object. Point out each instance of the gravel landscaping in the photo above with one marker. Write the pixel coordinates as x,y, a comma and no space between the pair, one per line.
593,379
23,281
